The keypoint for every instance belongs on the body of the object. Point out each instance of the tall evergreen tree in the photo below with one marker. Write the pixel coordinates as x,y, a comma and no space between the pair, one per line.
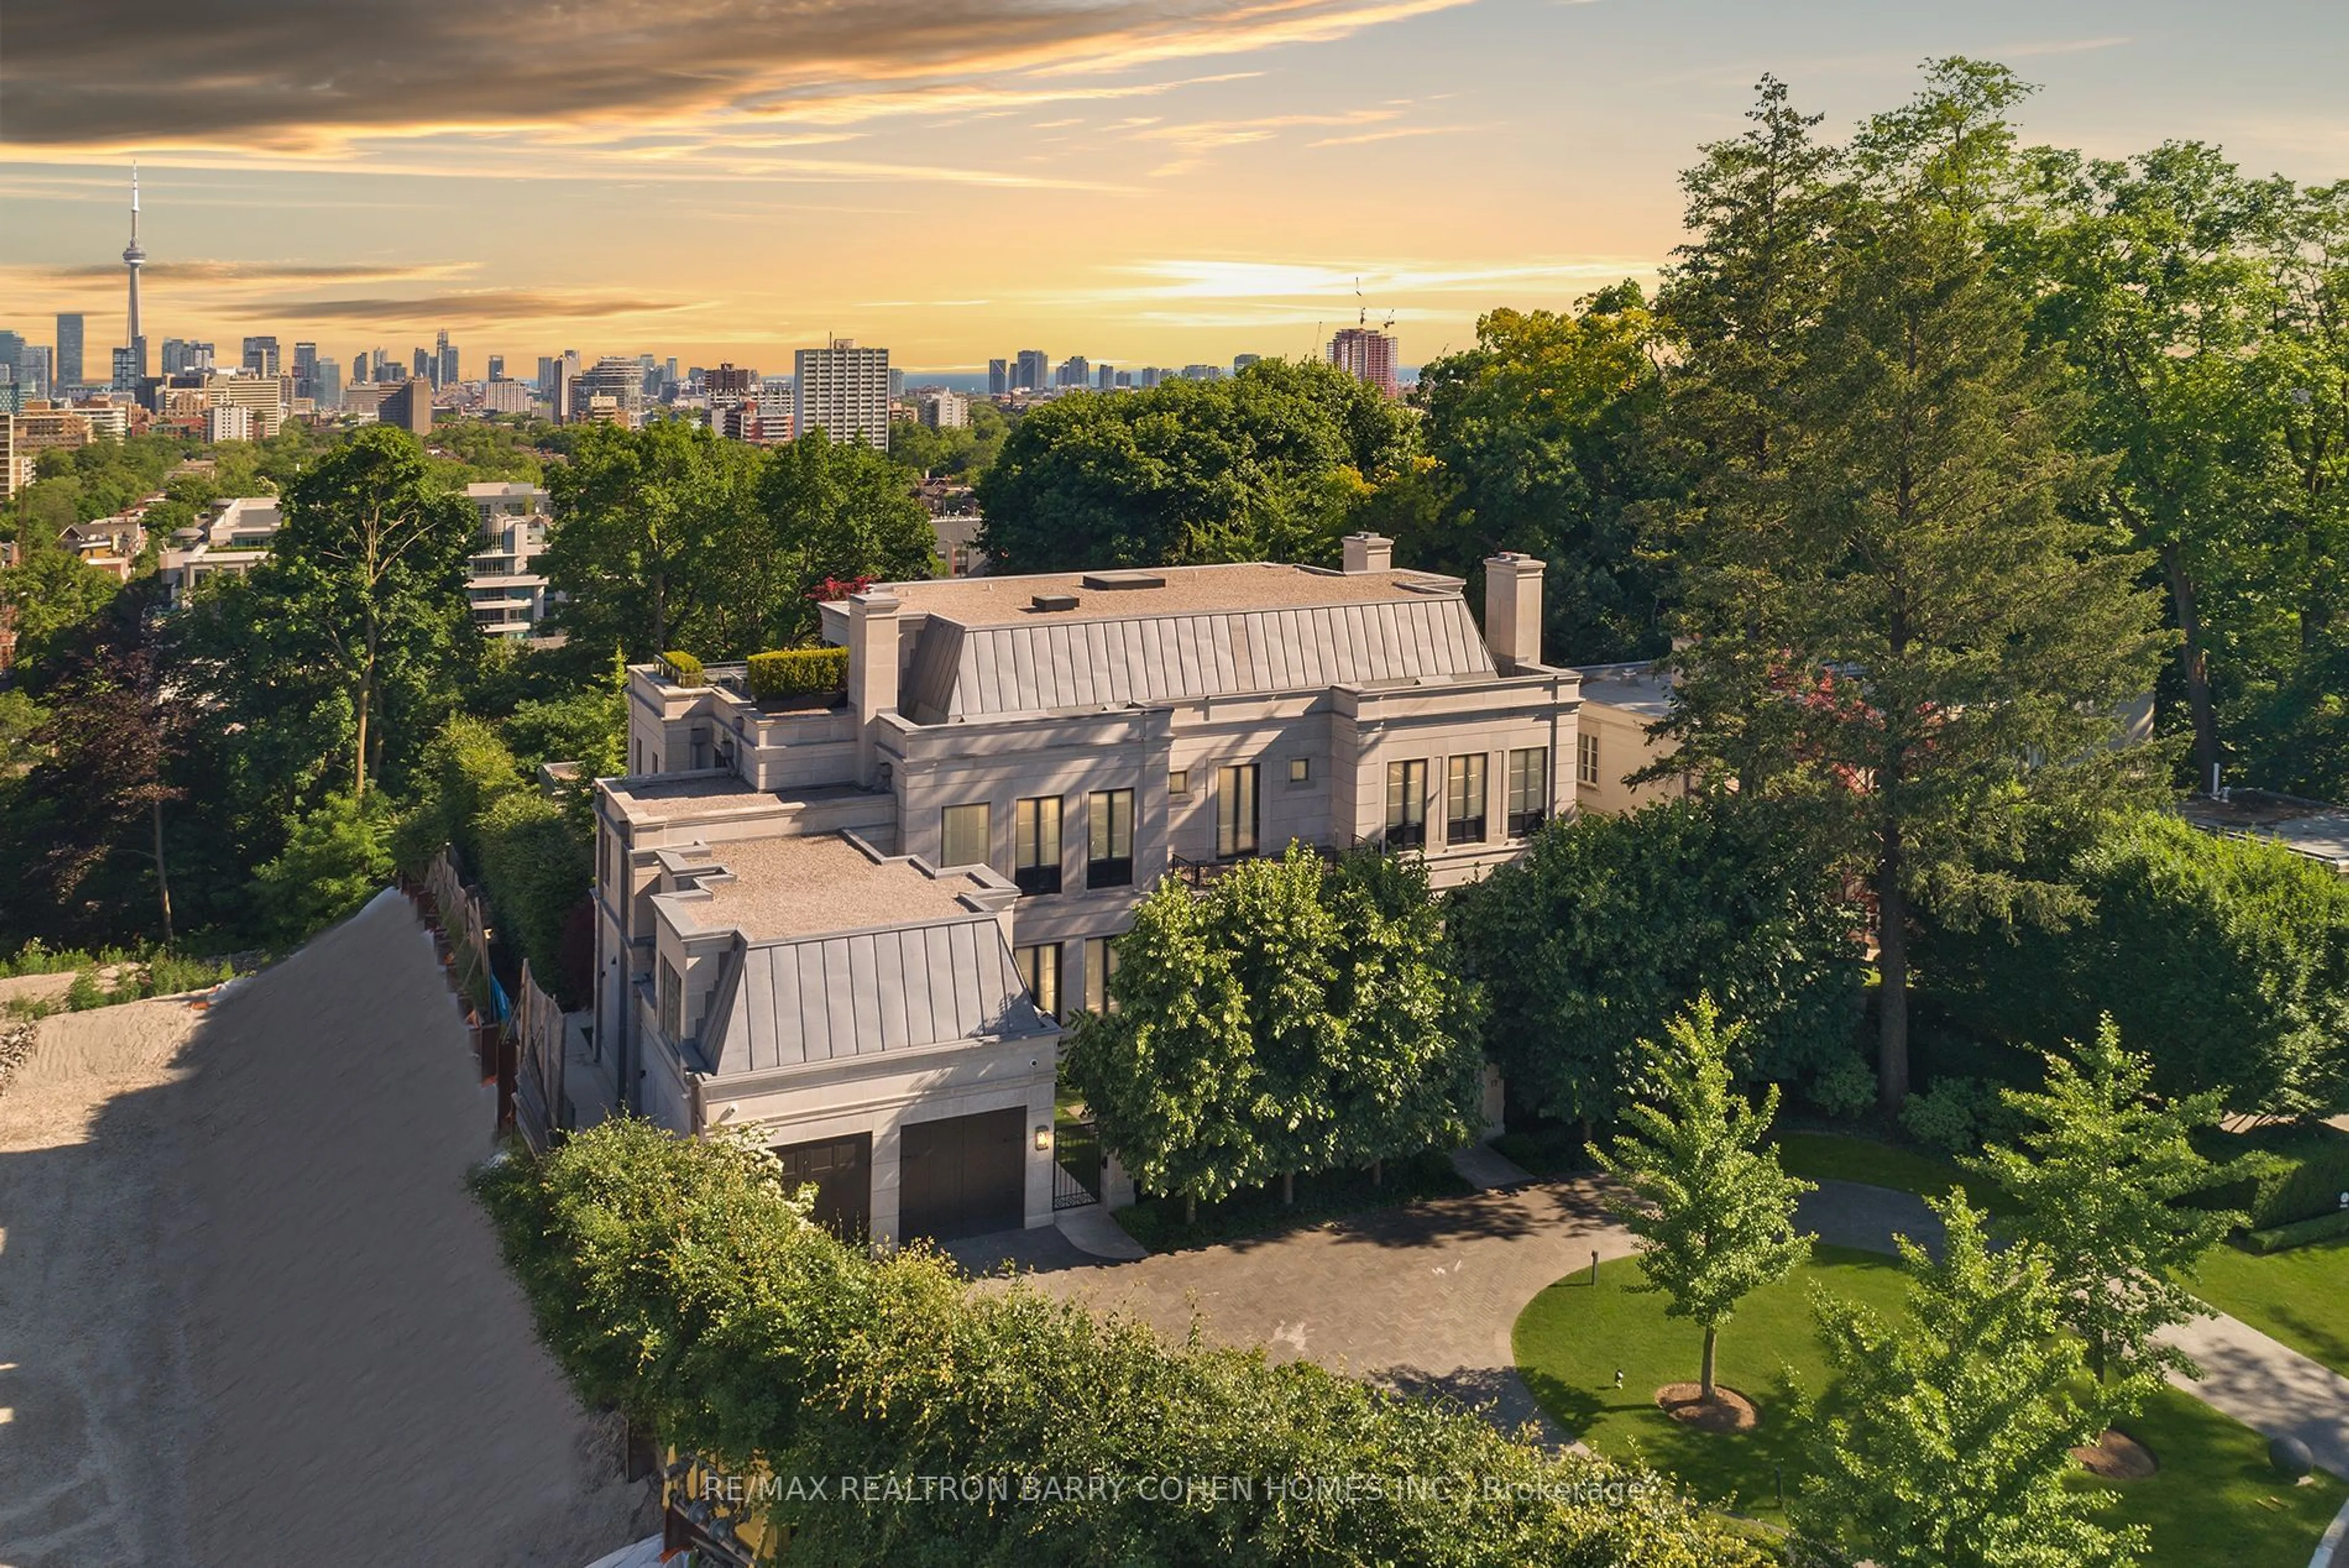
1898,635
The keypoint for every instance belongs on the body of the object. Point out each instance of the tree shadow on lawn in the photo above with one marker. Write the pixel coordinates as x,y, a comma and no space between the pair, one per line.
1740,1471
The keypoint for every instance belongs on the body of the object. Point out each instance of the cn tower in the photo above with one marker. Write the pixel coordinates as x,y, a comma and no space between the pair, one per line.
134,258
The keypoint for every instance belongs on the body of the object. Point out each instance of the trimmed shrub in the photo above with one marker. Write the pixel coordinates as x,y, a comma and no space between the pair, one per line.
1958,1115
682,669
2302,1233
1844,1088
797,671
533,867
2296,1172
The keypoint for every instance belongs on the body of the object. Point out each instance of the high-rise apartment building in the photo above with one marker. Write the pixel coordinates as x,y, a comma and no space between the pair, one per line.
12,345
260,356
1242,361
619,383
1368,355
35,373
444,366
409,405
70,342
729,381
942,409
306,370
421,364
1104,378
1073,372
327,384
1033,373
497,367
999,376
127,369
842,390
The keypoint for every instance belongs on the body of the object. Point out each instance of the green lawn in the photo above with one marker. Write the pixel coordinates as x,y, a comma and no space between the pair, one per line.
2215,1500
1839,1157
2300,1297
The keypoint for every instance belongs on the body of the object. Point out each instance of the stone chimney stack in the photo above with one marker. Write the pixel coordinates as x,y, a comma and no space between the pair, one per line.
871,671
1369,553
1513,611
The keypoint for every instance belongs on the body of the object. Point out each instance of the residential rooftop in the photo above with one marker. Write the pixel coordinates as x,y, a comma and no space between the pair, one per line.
2309,827
1123,595
1638,687
785,888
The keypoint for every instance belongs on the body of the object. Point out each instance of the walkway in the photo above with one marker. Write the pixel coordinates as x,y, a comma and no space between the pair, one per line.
1425,1297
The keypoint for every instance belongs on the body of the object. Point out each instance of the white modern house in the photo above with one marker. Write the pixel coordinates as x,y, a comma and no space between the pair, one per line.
232,539
1048,748
506,590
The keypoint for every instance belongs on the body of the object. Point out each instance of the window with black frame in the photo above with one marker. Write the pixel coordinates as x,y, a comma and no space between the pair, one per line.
1407,805
1528,790
1237,815
1109,830
1463,799
1036,844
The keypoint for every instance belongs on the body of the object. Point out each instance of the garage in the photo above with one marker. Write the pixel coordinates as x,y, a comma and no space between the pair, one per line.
963,1175
841,1171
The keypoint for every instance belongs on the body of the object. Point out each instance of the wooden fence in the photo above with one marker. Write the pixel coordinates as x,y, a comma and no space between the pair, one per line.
501,1034
536,1031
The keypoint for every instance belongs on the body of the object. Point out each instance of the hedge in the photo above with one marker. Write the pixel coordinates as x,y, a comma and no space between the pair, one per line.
676,1280
2299,1172
2306,1233
796,671
683,669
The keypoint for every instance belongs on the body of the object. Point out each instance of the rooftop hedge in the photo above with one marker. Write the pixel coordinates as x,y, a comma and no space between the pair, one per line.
797,671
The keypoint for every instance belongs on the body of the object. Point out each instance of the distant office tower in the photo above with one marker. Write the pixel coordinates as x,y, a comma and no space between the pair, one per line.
497,367
943,410
620,383
260,356
1242,361
668,370
1033,373
1104,378
842,390
409,405
896,384
420,363
133,258
306,370
362,366
175,356
1073,372
565,368
1147,376
1366,354
126,375
12,344
729,381
327,384
443,366
69,340
998,378
1125,378
34,372
546,374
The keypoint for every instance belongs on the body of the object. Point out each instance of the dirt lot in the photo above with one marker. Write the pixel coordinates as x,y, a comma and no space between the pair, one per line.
248,1313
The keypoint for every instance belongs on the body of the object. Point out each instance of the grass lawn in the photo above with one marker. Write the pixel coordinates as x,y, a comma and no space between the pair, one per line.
2300,1297
1839,1157
1157,1222
2215,1500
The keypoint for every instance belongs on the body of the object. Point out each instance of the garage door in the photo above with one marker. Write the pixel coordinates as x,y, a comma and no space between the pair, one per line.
840,1168
965,1175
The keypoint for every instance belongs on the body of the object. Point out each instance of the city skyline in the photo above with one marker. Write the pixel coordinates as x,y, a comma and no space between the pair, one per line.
1142,185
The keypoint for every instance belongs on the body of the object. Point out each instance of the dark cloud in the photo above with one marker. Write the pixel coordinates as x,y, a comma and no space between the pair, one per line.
489,307
261,74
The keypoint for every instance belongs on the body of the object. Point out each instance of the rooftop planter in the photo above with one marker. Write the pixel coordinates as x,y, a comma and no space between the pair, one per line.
798,676
683,669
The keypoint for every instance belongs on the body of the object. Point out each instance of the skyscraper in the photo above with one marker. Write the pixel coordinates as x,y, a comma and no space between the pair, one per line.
133,258
497,367
33,368
444,362
1034,372
327,384
842,390
306,370
70,328
424,365
1366,354
409,405
260,356
999,376
1104,378
1242,361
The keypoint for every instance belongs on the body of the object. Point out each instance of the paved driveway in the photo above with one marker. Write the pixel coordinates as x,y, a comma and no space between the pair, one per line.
1417,1298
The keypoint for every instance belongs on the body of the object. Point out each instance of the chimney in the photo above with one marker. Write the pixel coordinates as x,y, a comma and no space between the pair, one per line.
1513,611
1369,553
871,671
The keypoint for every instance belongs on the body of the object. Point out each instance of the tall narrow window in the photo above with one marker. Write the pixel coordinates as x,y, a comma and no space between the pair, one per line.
1586,758
1109,830
1039,972
1036,844
1407,805
1235,811
1101,967
1528,789
1463,799
963,833
672,1002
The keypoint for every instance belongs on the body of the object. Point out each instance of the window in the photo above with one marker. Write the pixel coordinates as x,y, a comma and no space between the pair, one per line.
1036,844
1463,799
1109,828
1039,972
1528,789
1235,811
672,1002
1300,770
1586,757
1178,781
1101,967
1407,805
603,858
964,832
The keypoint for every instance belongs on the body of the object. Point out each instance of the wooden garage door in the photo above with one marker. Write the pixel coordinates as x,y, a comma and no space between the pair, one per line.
965,1175
842,1170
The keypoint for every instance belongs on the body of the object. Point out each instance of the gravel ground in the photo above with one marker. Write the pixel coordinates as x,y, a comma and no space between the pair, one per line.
249,1313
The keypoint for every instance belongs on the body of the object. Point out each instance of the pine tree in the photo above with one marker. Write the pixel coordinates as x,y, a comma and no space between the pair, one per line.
2101,1176
1713,1212
1945,1442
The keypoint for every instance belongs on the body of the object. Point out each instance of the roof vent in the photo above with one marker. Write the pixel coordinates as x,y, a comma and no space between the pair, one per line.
1112,581
1054,602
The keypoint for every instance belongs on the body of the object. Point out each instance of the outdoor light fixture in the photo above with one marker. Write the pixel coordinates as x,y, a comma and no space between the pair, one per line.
1043,1138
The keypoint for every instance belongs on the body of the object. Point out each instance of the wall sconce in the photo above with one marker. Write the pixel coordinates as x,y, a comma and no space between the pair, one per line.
1043,1139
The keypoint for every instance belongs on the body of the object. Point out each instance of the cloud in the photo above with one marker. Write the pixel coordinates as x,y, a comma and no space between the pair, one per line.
484,308
1390,135
235,272
310,77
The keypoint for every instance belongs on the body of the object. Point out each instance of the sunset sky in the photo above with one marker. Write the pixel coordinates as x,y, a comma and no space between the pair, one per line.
1138,181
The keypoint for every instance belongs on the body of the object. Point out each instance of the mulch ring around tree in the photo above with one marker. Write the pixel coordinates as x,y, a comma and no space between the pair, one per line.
2118,1457
1726,1411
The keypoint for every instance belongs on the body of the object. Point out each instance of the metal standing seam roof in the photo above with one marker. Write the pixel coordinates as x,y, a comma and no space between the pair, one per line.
966,672
861,993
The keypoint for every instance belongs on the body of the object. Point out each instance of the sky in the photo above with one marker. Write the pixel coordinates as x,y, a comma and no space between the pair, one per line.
1141,181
